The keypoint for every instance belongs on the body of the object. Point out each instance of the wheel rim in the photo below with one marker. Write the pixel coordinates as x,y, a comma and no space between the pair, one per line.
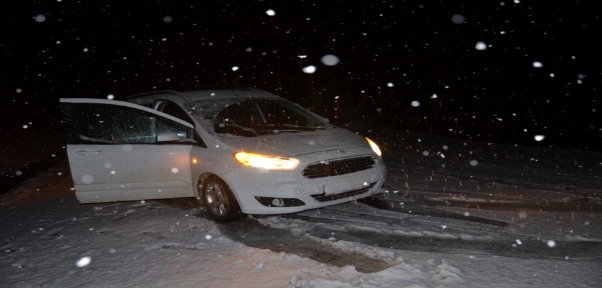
216,199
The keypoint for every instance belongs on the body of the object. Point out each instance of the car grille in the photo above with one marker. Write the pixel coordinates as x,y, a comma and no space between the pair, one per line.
323,197
338,167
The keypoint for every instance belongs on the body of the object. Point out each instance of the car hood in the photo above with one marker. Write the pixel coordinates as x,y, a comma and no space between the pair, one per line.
295,144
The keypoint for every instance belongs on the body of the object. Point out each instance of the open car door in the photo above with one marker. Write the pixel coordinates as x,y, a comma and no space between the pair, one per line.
120,151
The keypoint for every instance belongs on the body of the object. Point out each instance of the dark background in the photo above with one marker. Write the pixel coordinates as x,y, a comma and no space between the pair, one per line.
391,54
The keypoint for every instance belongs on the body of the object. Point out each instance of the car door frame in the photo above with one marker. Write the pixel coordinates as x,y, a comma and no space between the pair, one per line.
166,174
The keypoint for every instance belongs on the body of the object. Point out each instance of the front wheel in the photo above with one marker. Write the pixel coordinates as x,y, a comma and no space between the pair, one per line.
219,200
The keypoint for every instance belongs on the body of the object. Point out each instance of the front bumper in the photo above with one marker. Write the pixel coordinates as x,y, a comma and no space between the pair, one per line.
256,190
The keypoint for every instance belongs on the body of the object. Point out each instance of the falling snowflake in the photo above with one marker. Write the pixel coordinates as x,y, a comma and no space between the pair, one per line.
458,19
309,69
40,18
481,46
330,60
83,262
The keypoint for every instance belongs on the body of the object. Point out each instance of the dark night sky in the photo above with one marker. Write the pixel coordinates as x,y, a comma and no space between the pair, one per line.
391,53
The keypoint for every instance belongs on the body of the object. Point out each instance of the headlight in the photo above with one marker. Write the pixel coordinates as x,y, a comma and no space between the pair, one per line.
266,161
374,147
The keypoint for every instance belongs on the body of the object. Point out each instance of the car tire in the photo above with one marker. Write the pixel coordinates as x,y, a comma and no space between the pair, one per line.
219,201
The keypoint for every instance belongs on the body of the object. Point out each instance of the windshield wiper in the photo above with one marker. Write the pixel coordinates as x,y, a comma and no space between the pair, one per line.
304,128
235,129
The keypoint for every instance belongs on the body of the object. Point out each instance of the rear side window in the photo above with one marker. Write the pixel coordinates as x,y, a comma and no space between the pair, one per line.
110,124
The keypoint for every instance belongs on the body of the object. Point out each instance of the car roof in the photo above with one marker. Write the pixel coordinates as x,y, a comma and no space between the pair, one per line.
189,96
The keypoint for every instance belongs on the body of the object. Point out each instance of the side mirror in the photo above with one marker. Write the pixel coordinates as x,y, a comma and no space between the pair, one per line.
166,137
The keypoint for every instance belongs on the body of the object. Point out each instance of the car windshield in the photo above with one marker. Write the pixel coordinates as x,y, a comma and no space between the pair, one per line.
254,117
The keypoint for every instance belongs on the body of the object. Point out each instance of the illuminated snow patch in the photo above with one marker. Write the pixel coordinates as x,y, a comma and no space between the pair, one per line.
83,262
270,12
481,46
87,179
539,138
309,69
537,64
330,60
415,103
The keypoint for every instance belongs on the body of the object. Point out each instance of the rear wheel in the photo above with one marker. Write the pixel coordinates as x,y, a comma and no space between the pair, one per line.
219,200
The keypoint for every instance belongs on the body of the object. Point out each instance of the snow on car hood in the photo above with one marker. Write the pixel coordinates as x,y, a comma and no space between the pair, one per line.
293,144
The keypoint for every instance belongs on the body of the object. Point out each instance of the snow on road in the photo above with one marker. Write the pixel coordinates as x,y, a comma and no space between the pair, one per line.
48,240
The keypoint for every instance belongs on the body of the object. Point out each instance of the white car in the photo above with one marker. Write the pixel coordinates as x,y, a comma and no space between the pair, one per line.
238,151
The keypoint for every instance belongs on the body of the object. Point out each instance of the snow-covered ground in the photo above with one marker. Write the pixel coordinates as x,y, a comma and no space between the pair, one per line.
549,200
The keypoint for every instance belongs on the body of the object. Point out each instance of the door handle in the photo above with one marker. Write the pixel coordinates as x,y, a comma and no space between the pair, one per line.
89,152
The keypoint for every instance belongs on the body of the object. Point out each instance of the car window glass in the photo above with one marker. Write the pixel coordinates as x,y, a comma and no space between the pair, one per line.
173,109
96,123
259,117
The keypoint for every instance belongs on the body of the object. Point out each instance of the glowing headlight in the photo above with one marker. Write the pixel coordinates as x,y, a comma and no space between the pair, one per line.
266,161
374,147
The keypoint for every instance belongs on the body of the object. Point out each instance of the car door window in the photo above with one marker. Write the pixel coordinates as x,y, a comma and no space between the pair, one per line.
96,123
173,109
